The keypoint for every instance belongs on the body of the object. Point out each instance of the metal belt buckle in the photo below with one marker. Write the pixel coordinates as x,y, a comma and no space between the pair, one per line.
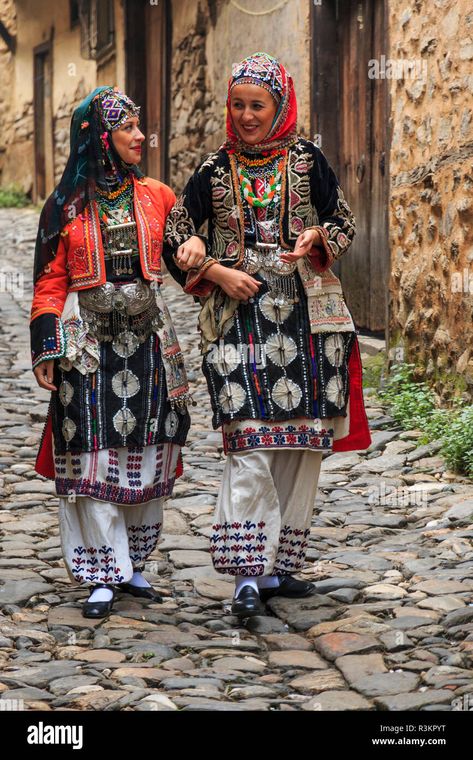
270,260
266,256
281,267
99,298
131,297
134,297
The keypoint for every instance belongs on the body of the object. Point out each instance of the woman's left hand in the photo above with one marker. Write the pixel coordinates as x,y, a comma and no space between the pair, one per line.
191,254
304,243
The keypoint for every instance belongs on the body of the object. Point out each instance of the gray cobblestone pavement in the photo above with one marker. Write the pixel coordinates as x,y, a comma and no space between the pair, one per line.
390,627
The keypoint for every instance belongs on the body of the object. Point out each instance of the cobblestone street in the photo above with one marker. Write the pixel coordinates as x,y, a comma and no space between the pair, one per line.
390,627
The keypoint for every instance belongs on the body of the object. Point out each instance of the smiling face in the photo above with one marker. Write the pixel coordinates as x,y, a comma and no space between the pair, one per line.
127,140
252,109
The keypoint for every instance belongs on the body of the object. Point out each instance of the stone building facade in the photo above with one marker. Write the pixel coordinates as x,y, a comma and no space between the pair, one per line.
207,38
431,198
45,31
429,156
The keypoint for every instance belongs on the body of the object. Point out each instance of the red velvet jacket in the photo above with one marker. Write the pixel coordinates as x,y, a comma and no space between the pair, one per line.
79,262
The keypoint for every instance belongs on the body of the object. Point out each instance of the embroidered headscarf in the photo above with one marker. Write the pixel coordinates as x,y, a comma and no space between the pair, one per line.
93,162
265,71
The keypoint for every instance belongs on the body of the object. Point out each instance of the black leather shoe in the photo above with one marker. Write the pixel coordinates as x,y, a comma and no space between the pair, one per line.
247,603
289,587
144,592
98,609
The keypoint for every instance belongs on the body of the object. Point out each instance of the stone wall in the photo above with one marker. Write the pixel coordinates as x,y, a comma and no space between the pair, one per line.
431,197
62,120
16,120
208,37
73,77
192,120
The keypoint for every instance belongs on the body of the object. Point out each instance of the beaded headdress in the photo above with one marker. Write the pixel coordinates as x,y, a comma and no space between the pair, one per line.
116,108
260,69
265,71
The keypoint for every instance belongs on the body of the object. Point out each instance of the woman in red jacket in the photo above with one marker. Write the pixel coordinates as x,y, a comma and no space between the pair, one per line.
103,343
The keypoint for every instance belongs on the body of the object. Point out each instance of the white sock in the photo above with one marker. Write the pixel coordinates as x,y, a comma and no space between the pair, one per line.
268,581
101,595
242,580
138,580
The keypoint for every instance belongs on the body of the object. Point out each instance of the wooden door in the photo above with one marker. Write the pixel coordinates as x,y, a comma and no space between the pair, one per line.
147,70
43,122
350,116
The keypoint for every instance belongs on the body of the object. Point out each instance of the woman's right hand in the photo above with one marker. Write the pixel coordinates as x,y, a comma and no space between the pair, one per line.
43,373
235,283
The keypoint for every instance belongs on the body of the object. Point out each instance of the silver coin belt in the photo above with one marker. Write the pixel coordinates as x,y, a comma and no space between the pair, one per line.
113,308
279,275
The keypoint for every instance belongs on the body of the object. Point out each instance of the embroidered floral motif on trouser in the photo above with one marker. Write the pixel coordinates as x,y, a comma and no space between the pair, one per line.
104,542
263,512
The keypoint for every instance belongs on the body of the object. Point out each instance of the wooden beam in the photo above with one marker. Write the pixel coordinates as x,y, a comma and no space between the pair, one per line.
8,38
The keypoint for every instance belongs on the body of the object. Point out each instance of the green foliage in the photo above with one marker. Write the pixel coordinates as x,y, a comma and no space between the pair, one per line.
435,425
413,405
12,196
410,403
458,441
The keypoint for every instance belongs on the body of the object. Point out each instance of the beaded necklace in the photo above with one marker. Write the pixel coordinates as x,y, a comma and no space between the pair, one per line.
116,206
115,210
261,196
266,159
